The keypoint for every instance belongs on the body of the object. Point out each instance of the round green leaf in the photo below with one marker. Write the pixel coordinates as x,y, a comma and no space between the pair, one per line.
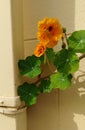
28,93
30,67
76,41
60,80
66,61
45,86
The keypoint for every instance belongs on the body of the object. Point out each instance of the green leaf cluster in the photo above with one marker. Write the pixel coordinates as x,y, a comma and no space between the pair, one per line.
65,62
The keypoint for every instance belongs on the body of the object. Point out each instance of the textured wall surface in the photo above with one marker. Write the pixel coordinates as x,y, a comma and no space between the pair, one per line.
59,110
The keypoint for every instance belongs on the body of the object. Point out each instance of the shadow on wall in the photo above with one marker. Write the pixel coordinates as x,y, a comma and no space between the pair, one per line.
72,104
44,115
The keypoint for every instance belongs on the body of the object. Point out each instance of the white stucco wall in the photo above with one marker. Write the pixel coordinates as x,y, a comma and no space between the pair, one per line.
11,50
6,54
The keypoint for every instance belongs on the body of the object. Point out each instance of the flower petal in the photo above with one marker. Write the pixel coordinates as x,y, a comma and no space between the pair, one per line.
40,49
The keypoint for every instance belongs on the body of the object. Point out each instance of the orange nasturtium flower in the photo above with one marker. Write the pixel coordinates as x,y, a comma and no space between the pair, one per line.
49,30
40,50
51,44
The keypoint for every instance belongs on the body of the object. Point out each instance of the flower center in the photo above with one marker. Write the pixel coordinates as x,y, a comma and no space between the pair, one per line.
50,28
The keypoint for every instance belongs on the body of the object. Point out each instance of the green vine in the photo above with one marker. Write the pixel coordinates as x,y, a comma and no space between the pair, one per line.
60,67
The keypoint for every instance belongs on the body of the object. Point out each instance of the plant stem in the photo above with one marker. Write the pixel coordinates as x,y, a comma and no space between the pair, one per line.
41,79
82,56
47,61
66,37
49,66
68,34
45,58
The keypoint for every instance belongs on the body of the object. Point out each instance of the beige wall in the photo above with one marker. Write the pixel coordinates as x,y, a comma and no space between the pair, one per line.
59,110
79,14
